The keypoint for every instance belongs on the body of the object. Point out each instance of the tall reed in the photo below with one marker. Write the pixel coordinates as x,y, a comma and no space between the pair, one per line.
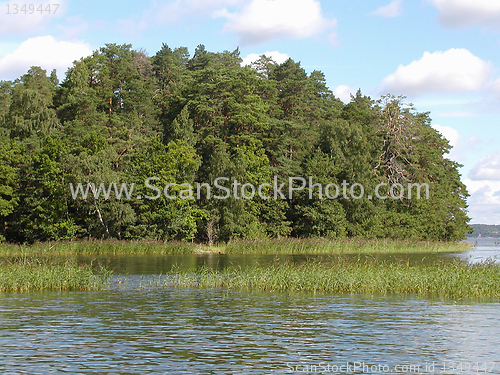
340,246
22,274
363,276
108,247
263,246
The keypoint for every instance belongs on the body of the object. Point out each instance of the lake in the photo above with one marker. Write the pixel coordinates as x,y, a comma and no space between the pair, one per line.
138,326
483,249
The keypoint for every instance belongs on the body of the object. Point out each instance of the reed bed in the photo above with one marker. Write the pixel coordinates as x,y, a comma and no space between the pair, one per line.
446,280
264,246
23,274
106,247
341,246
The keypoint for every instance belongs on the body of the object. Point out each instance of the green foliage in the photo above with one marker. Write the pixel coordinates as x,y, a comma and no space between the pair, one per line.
5,100
121,117
31,111
164,218
10,155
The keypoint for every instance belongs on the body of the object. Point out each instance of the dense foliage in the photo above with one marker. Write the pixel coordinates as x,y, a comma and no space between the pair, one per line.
120,116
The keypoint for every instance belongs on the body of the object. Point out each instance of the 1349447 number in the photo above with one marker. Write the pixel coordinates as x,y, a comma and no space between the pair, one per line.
32,8
469,367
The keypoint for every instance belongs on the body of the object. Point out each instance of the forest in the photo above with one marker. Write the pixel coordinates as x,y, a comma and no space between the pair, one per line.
485,230
121,116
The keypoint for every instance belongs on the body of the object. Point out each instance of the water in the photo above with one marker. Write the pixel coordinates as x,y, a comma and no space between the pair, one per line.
162,264
484,249
190,331
139,327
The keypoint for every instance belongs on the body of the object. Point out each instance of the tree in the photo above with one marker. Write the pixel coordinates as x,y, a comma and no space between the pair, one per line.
160,217
178,122
5,100
31,111
10,155
397,127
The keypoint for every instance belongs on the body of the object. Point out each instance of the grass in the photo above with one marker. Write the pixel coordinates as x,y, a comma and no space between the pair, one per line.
341,246
265,246
32,267
22,274
35,267
107,247
363,276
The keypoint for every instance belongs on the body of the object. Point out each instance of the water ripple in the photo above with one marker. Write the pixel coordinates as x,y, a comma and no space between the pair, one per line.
180,331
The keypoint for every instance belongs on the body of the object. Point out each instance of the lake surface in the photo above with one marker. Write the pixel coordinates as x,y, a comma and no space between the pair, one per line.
161,264
483,249
140,327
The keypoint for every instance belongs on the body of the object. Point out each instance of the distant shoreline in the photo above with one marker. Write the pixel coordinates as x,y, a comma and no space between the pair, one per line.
485,231
483,237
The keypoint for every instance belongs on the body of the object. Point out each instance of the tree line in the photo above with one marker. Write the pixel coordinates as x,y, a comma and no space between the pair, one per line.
120,116
485,230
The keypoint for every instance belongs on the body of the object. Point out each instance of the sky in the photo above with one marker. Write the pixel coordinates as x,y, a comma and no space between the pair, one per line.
443,55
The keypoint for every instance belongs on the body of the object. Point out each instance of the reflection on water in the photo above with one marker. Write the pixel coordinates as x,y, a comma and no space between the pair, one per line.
162,264
138,326
483,249
191,331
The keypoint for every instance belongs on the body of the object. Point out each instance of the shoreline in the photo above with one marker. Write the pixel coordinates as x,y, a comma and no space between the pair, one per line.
264,246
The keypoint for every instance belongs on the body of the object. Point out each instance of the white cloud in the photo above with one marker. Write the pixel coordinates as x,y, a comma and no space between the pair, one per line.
455,140
18,22
333,38
484,201
496,86
175,11
392,9
449,133
264,20
178,9
455,70
460,13
275,55
488,168
457,113
344,92
43,51
73,27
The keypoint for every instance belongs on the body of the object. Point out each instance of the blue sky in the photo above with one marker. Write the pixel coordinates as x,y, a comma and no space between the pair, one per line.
443,55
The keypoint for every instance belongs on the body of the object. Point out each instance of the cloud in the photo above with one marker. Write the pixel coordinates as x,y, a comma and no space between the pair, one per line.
275,55
484,201
178,9
496,86
73,27
181,9
42,51
449,133
461,13
488,168
174,11
264,20
454,139
390,10
459,114
455,70
344,92
20,22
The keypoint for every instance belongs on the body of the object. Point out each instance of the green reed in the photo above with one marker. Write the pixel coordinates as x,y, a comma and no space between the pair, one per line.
340,246
264,246
22,274
455,280
106,247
